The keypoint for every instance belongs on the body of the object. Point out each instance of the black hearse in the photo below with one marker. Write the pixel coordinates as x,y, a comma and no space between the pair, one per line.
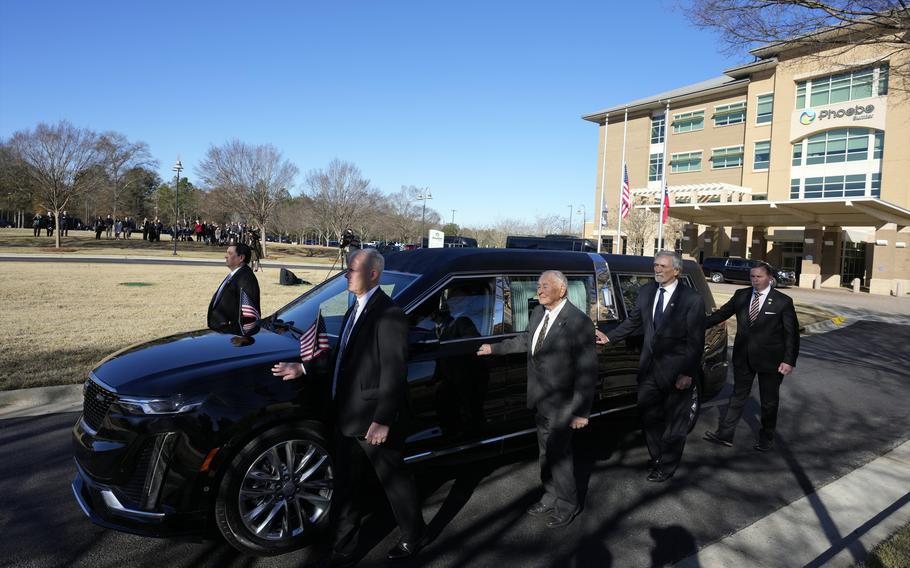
192,431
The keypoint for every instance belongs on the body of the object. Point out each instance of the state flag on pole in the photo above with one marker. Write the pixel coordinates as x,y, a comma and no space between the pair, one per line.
315,340
626,200
665,207
248,313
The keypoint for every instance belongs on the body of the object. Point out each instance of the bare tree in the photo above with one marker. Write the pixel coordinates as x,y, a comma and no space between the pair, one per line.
255,179
639,227
340,195
811,26
59,161
121,156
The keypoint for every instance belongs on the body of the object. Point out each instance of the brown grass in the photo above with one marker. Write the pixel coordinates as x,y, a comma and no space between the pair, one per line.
63,318
892,553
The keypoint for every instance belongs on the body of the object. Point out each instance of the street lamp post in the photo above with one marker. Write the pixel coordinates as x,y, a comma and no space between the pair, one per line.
570,220
426,195
453,216
178,167
584,219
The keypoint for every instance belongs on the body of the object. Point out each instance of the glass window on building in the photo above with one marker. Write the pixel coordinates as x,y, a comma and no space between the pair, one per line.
882,80
685,162
835,146
798,153
765,109
876,185
842,87
813,187
688,121
731,157
656,167
855,185
726,115
762,157
878,145
794,188
801,95
658,129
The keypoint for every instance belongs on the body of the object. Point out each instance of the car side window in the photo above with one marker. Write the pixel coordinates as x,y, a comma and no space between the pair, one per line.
523,297
629,286
464,308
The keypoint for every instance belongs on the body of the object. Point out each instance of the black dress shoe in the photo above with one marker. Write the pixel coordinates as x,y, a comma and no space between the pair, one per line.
560,519
763,445
403,550
658,475
715,438
538,509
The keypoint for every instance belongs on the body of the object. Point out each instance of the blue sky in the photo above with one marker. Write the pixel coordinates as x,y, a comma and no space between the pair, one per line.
478,100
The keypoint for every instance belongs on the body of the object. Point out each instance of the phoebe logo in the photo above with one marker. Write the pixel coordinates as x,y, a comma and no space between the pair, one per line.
807,117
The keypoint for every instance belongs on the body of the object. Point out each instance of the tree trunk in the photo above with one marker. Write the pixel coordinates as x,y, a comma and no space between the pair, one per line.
262,239
57,230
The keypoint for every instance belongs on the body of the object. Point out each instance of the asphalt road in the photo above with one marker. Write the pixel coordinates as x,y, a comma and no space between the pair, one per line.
844,406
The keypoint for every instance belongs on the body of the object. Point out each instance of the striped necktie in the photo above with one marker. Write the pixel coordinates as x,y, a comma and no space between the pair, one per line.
753,309
542,335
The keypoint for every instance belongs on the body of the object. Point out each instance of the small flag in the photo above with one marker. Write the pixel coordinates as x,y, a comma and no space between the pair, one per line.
247,311
626,201
315,340
665,206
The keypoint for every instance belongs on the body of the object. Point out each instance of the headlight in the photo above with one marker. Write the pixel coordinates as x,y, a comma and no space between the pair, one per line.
178,404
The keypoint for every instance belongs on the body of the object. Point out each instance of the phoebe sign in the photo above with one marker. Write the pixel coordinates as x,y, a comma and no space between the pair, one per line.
870,112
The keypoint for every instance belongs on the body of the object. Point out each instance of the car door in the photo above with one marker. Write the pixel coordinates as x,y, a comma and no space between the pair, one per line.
456,398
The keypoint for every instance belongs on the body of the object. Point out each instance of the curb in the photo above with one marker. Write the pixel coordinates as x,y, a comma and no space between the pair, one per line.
22,402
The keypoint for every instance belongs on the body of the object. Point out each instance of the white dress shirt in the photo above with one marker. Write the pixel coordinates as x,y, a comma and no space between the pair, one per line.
668,293
552,313
763,295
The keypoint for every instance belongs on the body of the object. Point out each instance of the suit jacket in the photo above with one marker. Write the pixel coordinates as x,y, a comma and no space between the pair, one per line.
771,340
372,372
225,314
562,374
676,346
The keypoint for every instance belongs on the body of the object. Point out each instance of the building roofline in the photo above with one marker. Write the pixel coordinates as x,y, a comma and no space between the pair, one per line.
711,86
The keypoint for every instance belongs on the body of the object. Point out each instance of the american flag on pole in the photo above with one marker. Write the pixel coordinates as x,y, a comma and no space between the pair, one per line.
247,312
315,340
626,201
665,206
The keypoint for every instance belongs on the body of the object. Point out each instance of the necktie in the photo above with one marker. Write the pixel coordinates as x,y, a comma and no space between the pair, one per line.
659,309
753,309
221,289
343,342
543,333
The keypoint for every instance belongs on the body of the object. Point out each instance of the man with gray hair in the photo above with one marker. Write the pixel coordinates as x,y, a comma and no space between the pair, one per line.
562,375
672,319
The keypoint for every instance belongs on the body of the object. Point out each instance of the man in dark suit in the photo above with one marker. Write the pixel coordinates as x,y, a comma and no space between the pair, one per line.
224,309
369,392
672,318
562,374
766,344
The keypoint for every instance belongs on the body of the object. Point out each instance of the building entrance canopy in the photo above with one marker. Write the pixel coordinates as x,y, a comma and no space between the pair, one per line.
730,210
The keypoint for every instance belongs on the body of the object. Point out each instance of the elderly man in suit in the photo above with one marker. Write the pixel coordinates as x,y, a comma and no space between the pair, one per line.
672,318
369,393
766,344
562,375
224,309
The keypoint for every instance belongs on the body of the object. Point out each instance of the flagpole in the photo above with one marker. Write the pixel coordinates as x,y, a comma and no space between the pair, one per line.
603,188
663,186
622,178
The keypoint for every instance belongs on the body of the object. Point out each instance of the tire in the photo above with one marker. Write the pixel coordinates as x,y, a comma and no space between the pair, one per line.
717,277
262,508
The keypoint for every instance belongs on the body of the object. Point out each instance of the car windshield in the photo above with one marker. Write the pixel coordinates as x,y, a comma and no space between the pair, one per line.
333,299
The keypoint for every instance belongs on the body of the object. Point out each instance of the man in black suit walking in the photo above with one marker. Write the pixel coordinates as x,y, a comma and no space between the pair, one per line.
562,374
672,318
766,344
224,309
369,393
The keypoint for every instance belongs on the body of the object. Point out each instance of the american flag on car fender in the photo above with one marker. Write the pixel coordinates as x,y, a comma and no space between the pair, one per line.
247,312
315,340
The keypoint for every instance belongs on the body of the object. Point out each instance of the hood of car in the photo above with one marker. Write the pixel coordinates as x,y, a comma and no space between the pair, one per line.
180,362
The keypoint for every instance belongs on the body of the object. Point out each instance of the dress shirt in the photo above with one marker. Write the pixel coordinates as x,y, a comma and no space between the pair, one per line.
763,295
552,313
669,289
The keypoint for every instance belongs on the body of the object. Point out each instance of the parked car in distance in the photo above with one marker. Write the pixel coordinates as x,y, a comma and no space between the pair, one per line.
736,269
551,242
191,435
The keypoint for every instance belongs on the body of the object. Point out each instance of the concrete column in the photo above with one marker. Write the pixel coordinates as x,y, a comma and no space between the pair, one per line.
690,241
889,265
759,246
709,240
812,257
831,261
738,244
